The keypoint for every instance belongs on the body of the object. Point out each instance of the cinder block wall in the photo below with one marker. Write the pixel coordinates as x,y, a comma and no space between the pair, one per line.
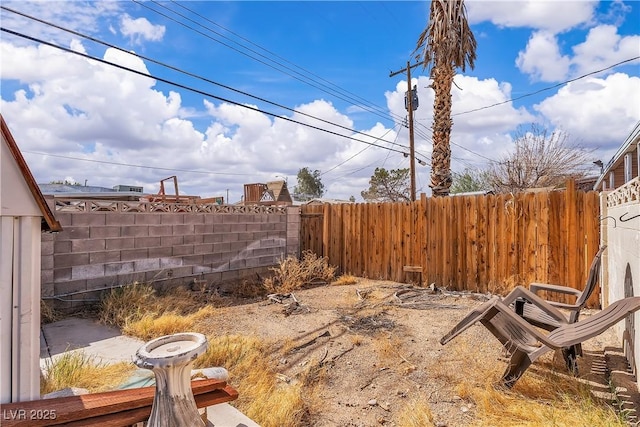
98,250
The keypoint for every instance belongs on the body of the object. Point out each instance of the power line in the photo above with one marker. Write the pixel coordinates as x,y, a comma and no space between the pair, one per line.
352,96
548,88
146,58
135,166
198,91
302,77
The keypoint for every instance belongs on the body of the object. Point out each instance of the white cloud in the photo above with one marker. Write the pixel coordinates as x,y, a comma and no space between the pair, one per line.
542,59
553,16
603,47
598,112
140,29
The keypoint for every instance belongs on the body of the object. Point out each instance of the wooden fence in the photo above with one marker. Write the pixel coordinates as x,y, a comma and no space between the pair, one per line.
478,243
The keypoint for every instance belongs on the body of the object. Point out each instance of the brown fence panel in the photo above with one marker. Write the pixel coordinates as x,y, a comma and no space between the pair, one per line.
478,243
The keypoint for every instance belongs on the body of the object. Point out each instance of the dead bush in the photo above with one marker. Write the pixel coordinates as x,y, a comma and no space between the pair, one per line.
293,273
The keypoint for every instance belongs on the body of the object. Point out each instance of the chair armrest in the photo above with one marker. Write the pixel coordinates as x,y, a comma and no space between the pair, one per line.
535,287
542,304
543,338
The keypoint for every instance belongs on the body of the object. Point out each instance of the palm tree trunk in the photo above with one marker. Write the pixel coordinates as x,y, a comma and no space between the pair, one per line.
442,75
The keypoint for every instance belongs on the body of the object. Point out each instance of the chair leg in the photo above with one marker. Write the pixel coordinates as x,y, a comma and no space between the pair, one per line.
519,363
570,355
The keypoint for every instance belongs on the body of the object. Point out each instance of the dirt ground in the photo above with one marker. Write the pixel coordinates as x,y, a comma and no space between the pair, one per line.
379,343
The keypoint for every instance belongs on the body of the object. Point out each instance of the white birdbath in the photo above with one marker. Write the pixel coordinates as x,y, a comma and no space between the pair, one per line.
171,358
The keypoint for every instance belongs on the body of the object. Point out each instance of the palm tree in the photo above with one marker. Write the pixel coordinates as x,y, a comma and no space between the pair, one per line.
446,43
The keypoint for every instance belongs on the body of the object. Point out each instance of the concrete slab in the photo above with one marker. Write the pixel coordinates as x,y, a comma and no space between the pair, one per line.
108,345
103,342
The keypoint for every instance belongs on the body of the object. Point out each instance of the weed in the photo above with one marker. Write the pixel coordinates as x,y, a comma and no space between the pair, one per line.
293,273
416,413
48,313
345,279
77,369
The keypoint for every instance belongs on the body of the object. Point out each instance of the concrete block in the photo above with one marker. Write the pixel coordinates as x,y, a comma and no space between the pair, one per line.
203,228
200,269
61,274
237,228
178,272
172,218
203,248
46,248
182,250
75,233
125,279
88,219
221,228
230,219
61,288
252,262
160,230
192,260
87,271
135,231
193,239
213,218
146,264
212,238
118,268
46,262
64,218
104,257
47,237
245,237
120,218
133,254
87,245
237,247
147,218
259,235
147,242
47,288
237,264
221,247
195,218
280,226
160,252
268,260
68,260
168,263
182,229
253,227
230,237
213,277
119,244
171,241
230,275
103,232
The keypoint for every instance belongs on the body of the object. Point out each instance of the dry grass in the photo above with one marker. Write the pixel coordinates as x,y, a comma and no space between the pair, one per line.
541,397
293,273
416,413
48,314
151,326
76,369
344,280
261,396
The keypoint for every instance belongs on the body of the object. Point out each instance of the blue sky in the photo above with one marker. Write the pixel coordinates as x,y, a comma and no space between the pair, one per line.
330,60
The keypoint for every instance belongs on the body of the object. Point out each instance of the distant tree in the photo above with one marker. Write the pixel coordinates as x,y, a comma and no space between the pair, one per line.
66,182
352,199
539,159
389,186
469,180
309,185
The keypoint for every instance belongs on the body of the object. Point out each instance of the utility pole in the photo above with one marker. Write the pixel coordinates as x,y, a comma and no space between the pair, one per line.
410,107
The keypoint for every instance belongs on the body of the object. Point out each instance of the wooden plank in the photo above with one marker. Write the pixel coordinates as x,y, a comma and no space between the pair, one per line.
542,237
573,261
470,244
347,243
75,408
360,247
482,232
138,415
530,243
492,243
326,229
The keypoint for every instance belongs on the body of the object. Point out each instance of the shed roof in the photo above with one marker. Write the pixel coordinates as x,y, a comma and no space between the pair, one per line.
50,223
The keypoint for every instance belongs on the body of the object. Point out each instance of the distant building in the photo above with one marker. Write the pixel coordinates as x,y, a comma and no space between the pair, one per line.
271,193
